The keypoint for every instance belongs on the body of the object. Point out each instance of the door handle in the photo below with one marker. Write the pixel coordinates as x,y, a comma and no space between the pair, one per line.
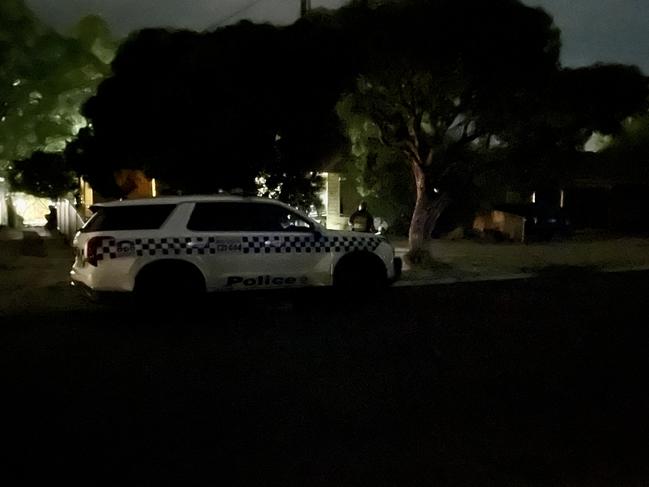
192,244
274,243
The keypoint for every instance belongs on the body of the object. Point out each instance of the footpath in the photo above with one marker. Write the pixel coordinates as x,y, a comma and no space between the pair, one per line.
472,260
34,264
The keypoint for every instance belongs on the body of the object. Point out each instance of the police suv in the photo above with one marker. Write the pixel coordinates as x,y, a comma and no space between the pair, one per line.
193,244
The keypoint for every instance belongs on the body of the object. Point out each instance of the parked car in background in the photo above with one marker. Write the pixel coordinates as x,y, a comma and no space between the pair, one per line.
542,222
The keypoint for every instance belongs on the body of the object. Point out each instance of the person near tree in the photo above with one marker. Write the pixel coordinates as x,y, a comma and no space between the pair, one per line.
362,220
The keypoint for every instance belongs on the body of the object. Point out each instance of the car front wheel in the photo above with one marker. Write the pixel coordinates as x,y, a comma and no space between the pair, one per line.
360,272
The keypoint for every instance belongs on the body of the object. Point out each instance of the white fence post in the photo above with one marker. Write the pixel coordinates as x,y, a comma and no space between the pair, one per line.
69,220
4,211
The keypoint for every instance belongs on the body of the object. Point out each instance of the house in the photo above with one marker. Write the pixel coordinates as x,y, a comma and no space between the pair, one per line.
597,194
339,198
133,181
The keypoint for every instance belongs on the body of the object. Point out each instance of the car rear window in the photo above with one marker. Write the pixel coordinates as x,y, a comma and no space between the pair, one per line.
137,217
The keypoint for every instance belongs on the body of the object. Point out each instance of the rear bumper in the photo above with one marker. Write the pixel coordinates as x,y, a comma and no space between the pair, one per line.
83,289
103,297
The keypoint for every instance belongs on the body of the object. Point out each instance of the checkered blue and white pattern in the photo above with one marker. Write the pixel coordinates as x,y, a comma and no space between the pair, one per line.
307,244
256,244
112,249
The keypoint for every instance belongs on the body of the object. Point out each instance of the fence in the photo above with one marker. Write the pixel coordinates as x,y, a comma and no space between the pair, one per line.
4,208
69,219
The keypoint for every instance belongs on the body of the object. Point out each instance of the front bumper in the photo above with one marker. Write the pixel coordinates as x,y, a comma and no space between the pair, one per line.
397,265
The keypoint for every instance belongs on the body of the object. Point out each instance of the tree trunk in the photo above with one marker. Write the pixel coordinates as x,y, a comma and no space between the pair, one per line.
427,210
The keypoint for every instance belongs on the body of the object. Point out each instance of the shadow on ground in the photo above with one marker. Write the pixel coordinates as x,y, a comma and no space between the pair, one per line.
533,382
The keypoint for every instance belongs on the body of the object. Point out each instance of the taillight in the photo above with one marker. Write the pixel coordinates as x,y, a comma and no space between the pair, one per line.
95,249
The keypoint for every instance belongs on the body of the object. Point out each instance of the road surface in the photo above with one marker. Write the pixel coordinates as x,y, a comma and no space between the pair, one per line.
531,382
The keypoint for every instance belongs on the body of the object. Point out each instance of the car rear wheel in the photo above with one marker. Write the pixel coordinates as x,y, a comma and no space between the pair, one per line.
172,282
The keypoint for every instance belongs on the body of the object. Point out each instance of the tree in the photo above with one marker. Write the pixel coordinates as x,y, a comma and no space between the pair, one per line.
382,179
452,88
185,109
18,30
441,78
627,155
44,79
88,159
574,104
216,110
42,174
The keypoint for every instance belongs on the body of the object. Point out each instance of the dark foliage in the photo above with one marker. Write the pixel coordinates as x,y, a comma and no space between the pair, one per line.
42,174
469,93
210,111
471,96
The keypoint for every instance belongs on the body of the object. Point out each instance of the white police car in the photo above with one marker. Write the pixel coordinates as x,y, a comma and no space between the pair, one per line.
192,244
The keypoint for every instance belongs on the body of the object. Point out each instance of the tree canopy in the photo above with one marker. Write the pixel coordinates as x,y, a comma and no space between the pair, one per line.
626,157
443,94
215,110
44,79
453,87
575,104
43,174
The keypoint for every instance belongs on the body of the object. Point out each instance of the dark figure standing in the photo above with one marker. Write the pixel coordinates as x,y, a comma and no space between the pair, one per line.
362,220
52,219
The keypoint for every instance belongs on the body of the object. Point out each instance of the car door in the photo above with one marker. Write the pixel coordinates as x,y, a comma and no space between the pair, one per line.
253,245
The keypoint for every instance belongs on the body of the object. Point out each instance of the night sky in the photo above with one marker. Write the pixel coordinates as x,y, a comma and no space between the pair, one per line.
593,30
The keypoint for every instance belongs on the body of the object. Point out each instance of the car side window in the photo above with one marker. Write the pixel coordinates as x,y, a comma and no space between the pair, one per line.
292,222
135,217
245,217
208,217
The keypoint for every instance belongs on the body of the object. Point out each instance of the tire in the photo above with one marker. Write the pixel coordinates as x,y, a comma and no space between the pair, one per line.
169,283
360,272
